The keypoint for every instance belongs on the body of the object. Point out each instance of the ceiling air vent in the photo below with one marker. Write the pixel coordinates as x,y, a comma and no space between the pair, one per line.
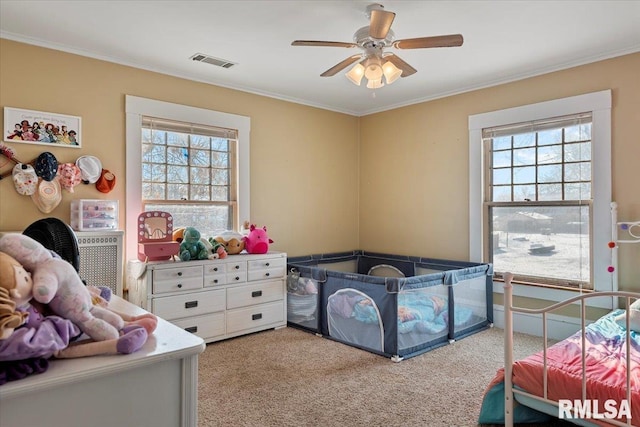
213,61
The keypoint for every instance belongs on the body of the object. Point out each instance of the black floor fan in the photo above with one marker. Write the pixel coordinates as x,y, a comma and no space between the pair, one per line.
57,236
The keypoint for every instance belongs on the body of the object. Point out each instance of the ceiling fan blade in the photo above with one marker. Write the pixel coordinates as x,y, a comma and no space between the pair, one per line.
452,40
407,69
322,43
341,66
380,23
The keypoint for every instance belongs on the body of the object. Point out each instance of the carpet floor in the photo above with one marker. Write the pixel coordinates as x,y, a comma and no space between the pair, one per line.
288,377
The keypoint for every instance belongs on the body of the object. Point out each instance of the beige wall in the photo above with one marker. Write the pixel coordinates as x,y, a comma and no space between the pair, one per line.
321,181
303,160
414,161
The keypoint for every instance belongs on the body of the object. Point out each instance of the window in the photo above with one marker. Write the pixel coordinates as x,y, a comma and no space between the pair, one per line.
190,171
537,200
540,176
191,162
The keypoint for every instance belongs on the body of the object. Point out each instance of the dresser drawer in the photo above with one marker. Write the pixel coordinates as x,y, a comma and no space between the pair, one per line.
237,277
193,304
243,296
235,266
177,279
215,280
218,268
254,317
266,263
206,327
266,273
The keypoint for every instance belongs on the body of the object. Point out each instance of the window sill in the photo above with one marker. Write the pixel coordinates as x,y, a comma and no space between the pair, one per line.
552,293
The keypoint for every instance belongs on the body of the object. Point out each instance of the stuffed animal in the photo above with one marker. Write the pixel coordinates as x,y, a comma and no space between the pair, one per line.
46,336
178,234
57,284
191,247
257,242
13,278
218,249
214,249
232,241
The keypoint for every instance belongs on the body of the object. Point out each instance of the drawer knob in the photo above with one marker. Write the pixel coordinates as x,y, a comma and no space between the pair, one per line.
256,294
237,267
215,280
215,268
191,304
256,316
266,274
179,273
179,285
237,278
267,264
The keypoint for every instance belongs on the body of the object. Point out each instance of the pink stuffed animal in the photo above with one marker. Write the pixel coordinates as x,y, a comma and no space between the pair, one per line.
257,242
56,283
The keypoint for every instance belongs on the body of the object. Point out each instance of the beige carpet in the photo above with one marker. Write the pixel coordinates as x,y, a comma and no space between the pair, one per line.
288,377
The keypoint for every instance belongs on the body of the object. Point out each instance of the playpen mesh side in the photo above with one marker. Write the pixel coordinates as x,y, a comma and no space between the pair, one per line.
470,298
354,317
423,318
302,300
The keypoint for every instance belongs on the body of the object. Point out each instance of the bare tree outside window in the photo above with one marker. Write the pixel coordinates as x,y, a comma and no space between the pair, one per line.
538,200
188,170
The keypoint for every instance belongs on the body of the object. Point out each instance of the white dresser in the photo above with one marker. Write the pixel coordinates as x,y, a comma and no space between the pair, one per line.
154,386
214,299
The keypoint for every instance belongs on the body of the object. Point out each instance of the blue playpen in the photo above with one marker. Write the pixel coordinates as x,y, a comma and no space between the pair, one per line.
392,305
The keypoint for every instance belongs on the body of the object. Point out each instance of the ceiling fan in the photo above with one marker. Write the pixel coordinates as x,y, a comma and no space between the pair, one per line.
374,63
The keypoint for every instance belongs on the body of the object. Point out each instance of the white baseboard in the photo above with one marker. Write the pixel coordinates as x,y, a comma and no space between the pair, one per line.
558,327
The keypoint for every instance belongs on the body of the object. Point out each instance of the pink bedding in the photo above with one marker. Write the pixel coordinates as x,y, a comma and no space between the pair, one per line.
605,367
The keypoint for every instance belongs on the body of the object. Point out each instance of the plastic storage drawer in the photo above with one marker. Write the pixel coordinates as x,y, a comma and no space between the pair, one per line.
94,215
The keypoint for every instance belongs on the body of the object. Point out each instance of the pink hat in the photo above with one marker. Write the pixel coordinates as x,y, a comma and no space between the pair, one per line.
69,175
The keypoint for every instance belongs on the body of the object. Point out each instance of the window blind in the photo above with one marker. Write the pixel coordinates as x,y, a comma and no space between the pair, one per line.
536,126
155,123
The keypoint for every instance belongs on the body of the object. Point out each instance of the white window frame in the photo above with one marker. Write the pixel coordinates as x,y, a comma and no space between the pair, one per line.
599,103
137,107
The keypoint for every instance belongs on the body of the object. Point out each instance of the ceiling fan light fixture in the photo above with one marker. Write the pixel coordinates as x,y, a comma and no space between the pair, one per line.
391,72
373,69
355,74
375,84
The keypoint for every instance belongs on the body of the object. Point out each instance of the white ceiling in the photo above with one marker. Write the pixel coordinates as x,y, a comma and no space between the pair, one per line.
503,41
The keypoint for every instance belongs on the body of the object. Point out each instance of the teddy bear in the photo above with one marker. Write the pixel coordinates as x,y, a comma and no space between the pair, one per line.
191,247
42,335
57,284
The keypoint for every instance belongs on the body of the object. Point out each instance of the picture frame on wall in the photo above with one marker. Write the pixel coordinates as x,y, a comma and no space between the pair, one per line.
42,128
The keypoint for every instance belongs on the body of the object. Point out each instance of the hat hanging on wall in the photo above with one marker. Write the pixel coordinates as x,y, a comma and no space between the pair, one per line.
48,195
25,179
69,175
106,182
46,166
90,168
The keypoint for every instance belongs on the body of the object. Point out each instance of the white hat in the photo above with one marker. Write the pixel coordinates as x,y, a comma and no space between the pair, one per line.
25,179
48,195
90,168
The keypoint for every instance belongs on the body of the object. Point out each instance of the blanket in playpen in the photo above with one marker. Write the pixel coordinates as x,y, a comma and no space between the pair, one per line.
425,313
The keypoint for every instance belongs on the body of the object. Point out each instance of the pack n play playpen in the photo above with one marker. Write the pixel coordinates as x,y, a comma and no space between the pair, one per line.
392,305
